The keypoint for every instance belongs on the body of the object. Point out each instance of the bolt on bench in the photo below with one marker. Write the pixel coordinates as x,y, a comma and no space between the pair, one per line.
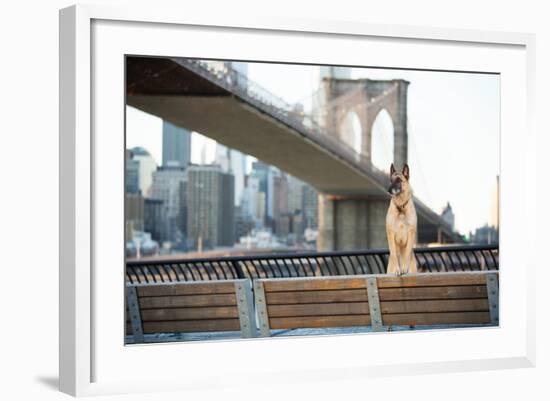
189,307
379,301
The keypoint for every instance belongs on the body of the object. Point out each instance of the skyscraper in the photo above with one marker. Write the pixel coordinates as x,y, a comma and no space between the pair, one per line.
223,157
251,201
295,194
176,145
238,169
331,71
132,174
153,218
265,173
147,166
280,205
210,206
233,162
133,210
166,186
310,206
226,225
244,224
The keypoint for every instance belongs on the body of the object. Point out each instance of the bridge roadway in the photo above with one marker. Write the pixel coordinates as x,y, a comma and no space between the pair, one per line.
259,124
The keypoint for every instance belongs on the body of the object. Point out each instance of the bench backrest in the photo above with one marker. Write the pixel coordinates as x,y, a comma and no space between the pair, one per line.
190,307
313,302
439,299
377,300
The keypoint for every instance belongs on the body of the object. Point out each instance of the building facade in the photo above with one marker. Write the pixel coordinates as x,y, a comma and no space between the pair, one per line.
281,217
310,199
132,174
295,194
233,162
265,175
133,213
210,206
176,145
153,218
167,182
485,235
147,166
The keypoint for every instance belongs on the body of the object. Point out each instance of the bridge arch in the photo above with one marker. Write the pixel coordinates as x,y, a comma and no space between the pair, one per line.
352,130
367,98
382,140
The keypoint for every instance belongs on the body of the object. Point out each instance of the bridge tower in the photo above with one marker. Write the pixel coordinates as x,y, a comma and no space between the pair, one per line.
367,98
358,220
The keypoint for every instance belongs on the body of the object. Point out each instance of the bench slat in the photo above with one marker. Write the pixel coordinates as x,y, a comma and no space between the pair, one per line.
422,319
309,285
412,293
318,321
187,301
432,280
186,289
440,305
295,297
189,313
192,326
353,308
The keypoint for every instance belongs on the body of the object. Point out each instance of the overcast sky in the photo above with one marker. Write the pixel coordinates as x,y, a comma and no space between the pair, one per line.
453,126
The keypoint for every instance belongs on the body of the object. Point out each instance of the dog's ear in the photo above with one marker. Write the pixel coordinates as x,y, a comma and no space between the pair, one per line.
405,171
392,169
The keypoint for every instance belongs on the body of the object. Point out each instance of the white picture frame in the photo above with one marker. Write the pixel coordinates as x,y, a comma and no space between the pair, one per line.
95,361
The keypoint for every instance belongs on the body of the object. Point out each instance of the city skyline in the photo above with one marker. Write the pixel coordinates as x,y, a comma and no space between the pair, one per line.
192,207
195,207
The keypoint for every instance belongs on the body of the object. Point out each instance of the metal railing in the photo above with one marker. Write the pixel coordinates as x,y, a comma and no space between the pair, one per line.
436,259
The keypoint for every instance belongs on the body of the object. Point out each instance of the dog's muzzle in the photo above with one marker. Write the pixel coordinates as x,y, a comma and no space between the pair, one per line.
394,190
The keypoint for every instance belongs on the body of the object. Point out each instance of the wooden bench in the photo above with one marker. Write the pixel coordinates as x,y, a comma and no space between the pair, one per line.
189,307
380,301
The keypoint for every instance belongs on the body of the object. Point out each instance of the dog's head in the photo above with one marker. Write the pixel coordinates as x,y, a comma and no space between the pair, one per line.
399,181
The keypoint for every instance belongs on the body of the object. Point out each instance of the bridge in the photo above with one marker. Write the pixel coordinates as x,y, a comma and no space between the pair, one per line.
227,107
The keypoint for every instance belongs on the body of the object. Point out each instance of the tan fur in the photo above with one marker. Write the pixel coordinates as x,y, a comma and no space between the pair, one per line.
401,229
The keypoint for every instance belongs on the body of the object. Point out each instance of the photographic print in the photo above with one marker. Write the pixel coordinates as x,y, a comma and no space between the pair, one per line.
276,200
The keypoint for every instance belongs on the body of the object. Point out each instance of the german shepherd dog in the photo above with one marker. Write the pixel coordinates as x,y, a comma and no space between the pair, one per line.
401,224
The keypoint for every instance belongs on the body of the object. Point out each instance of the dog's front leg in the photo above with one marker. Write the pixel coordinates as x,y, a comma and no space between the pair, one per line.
393,262
409,265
